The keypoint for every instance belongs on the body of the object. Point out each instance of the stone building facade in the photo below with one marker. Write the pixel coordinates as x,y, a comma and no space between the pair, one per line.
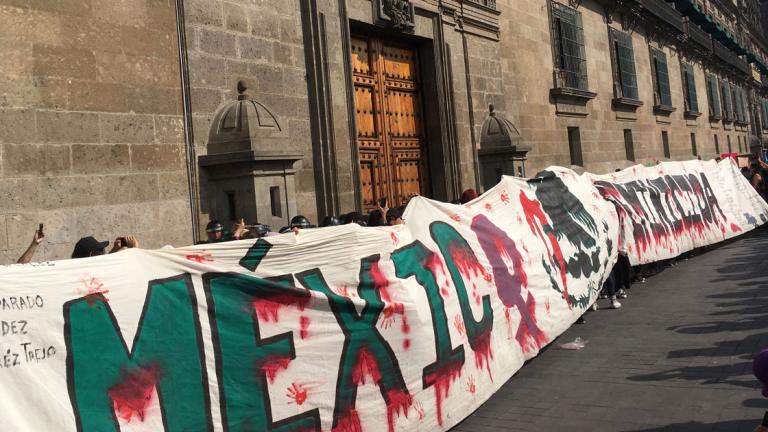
91,125
153,116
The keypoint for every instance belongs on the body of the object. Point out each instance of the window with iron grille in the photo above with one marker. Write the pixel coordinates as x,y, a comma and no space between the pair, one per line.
665,144
623,59
725,93
662,95
717,146
713,94
689,89
738,106
568,40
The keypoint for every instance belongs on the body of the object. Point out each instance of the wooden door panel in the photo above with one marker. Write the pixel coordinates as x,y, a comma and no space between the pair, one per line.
388,115
365,108
409,174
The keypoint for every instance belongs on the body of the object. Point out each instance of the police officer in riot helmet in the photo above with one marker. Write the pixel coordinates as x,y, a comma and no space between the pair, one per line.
330,221
299,222
215,232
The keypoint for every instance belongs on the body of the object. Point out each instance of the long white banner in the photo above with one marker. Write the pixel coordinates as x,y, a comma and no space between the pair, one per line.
342,329
675,207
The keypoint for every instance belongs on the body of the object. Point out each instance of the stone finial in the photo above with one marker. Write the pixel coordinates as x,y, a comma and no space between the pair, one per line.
242,87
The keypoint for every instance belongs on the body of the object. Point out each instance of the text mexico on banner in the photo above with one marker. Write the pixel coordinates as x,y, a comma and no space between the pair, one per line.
675,207
342,328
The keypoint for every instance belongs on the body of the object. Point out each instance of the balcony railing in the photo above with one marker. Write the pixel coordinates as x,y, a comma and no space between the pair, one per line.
699,36
490,4
664,12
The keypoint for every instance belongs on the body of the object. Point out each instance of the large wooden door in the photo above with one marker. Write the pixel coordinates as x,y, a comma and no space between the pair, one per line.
389,121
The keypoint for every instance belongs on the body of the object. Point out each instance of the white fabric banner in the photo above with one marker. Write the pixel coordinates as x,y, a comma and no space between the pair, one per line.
675,207
340,329
343,328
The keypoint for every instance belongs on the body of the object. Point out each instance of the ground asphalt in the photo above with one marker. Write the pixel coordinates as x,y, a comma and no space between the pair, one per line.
676,358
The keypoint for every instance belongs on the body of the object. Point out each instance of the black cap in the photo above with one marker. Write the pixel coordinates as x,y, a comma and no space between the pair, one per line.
86,246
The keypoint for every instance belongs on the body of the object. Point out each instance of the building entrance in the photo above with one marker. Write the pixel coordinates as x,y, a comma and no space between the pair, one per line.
390,139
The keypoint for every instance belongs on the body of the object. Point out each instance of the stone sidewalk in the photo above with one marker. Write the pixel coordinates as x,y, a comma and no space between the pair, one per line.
676,358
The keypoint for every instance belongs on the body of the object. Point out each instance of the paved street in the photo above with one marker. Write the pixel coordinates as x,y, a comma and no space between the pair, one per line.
676,358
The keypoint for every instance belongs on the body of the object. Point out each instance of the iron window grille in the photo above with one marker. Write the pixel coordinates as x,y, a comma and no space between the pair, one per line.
713,96
764,104
625,76
689,90
725,92
661,94
569,51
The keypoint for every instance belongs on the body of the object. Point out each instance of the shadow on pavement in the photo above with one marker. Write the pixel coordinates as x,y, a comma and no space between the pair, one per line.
746,276
725,426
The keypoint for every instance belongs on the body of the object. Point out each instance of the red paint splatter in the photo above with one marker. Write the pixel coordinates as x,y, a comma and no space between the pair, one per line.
488,207
504,197
398,402
93,291
459,324
200,257
735,228
389,314
394,238
435,263
456,217
508,318
350,422
268,309
304,322
547,306
441,380
536,221
471,387
366,365
484,352
133,394
273,365
406,344
466,262
419,409
380,282
298,393
444,292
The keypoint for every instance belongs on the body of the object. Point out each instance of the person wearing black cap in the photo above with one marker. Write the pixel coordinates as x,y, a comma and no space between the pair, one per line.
88,247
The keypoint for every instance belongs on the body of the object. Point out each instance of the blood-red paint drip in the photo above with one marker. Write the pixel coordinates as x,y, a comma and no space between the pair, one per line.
132,395
735,228
304,322
398,402
406,344
366,365
484,352
441,381
468,265
349,423
273,365
380,282
268,310
434,263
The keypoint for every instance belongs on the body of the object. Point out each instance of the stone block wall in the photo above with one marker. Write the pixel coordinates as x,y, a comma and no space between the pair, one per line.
91,138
